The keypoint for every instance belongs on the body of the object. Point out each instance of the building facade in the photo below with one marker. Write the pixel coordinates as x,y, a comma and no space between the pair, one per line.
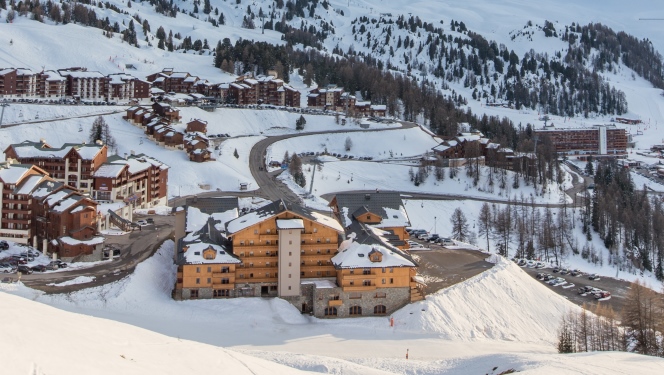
596,140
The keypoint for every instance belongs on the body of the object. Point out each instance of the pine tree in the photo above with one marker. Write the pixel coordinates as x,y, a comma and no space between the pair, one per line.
459,225
300,122
237,156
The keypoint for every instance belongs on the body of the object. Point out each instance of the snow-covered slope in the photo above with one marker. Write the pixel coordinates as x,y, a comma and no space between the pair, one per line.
39,339
500,318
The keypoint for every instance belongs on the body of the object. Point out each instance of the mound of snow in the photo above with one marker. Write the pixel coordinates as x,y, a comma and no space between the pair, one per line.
503,303
78,280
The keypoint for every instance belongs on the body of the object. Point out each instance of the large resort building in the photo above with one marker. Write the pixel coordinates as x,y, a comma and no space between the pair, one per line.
287,251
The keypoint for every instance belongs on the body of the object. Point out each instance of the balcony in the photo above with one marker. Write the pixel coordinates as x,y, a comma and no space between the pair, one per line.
271,268
259,258
223,286
359,277
358,288
228,274
334,303
268,237
256,280
323,267
16,211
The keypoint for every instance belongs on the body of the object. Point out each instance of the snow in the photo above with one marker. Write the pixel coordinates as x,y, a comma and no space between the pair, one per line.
194,254
469,328
75,281
13,174
357,255
290,224
195,219
91,242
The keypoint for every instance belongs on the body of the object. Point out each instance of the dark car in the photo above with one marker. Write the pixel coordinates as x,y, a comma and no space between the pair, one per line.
4,245
24,269
39,268
150,220
585,289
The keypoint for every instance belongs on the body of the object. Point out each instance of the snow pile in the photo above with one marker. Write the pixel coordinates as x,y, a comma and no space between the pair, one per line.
503,303
77,280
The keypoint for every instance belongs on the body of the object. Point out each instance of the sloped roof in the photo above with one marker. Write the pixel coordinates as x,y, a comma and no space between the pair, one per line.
356,255
388,205
274,208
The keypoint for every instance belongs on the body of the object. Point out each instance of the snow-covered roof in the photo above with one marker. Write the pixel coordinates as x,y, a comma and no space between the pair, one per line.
109,170
388,206
72,241
290,224
29,184
29,149
379,107
179,75
355,255
195,219
13,173
274,208
81,74
194,254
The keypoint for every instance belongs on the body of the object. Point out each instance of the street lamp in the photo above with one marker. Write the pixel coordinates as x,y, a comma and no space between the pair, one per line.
3,105
435,230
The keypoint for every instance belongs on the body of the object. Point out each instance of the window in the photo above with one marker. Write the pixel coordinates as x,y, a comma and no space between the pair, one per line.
380,310
290,242
289,288
327,240
355,310
267,242
366,282
380,295
352,272
290,253
368,217
209,269
268,231
241,243
383,271
225,270
255,231
251,242
315,230
302,274
209,280
198,281
383,281
221,293
334,297
193,293
366,271
225,281
317,240
289,275
198,269
391,269
352,283
355,295
330,311
391,281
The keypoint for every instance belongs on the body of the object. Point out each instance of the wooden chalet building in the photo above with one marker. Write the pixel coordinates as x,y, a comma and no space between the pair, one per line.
292,253
166,111
51,85
381,210
197,125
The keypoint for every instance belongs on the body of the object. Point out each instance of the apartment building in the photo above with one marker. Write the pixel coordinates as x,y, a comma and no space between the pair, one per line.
71,164
290,252
83,84
596,140
137,180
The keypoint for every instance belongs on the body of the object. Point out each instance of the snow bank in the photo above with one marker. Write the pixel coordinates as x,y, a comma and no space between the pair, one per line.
77,280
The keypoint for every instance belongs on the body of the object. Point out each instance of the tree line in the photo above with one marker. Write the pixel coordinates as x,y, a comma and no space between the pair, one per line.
638,329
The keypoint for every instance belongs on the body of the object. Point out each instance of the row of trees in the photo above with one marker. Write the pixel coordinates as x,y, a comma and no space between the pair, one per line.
639,329
629,221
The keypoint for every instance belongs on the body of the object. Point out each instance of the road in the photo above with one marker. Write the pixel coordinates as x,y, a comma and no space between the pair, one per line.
61,119
136,247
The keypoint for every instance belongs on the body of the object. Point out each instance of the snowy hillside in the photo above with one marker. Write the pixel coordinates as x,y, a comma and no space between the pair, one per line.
78,344
482,323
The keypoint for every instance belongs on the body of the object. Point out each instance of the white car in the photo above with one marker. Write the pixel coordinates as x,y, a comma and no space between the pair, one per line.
5,269
142,223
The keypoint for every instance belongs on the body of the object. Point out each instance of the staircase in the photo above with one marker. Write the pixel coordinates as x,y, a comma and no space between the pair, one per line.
119,221
416,287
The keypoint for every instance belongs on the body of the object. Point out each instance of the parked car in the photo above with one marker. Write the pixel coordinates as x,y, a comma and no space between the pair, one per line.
446,242
150,220
564,271
540,265
60,263
24,269
530,263
540,276
555,270
594,277
141,222
585,289
557,281
39,268
6,269
602,294
423,236
576,273
4,245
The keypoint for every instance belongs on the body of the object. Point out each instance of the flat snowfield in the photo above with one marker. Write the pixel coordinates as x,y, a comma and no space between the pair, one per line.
501,318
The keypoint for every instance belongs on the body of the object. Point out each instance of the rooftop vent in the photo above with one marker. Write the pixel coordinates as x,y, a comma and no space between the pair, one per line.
222,252
360,255
197,253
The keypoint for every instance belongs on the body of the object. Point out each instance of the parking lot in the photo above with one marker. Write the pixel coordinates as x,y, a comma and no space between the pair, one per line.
441,267
617,288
